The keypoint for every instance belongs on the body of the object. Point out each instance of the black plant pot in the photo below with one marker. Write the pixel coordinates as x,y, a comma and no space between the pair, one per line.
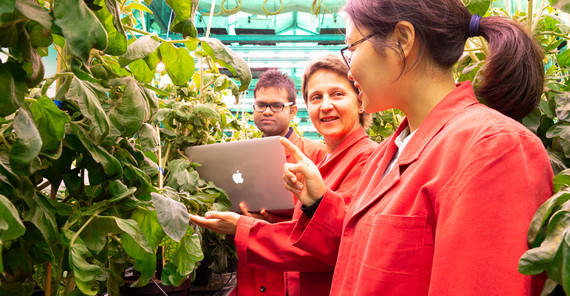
156,289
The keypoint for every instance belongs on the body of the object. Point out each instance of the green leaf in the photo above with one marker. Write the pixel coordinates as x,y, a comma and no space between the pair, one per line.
137,6
42,214
110,164
479,7
229,59
182,15
131,228
183,262
144,262
39,36
542,215
144,186
179,177
207,110
109,16
563,5
563,106
178,63
50,121
561,180
32,10
119,191
148,138
12,89
95,235
7,6
141,71
11,227
80,27
130,111
172,215
85,273
31,60
562,132
139,49
28,143
151,228
87,95
9,34
186,28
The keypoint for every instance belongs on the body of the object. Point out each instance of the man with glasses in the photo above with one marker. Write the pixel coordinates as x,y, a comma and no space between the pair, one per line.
273,110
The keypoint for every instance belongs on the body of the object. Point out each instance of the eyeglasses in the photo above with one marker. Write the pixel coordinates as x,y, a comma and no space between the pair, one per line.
275,107
347,54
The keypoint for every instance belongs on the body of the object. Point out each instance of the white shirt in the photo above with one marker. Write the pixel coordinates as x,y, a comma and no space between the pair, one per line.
401,141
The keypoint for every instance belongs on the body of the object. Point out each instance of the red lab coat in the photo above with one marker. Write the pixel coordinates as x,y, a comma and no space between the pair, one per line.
450,218
254,281
267,246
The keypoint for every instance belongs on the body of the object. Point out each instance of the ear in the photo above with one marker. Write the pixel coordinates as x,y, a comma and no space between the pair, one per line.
405,35
293,112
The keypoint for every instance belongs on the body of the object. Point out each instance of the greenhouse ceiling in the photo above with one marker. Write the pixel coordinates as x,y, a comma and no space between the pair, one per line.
267,22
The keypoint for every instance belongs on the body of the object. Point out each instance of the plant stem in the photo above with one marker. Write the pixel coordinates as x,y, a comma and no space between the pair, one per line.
83,227
538,16
529,16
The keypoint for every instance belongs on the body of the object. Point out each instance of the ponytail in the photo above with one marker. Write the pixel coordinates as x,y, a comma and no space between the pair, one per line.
513,76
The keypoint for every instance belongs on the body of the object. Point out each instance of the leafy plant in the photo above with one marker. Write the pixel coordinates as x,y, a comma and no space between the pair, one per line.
82,190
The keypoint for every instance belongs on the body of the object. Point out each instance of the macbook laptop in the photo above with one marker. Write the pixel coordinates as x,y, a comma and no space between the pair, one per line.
250,171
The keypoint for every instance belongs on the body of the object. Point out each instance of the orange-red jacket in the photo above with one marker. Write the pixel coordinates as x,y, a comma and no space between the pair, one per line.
264,245
450,218
253,281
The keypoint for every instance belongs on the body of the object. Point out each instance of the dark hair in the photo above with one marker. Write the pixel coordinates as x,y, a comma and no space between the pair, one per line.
334,63
274,78
513,75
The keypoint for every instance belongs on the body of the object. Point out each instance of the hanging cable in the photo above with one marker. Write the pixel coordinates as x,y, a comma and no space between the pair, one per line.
272,13
233,10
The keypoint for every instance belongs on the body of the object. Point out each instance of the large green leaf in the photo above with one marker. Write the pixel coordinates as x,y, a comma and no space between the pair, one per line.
84,272
172,215
141,71
207,110
95,235
80,27
32,10
110,164
542,215
28,143
229,59
12,89
562,5
42,214
182,17
7,6
179,177
110,16
479,7
561,180
119,191
148,222
562,132
137,246
87,95
50,121
31,60
11,227
130,111
553,253
148,138
178,63
184,259
563,106
139,49
144,186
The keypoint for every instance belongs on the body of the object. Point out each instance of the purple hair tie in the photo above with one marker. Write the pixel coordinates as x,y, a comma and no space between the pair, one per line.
474,26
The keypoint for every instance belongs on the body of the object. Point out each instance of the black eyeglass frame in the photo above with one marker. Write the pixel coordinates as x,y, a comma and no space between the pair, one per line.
344,49
271,106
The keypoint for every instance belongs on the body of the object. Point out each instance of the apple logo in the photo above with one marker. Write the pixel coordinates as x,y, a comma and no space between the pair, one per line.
237,177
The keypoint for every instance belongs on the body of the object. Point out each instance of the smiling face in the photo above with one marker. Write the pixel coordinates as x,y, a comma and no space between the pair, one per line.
333,106
375,74
273,123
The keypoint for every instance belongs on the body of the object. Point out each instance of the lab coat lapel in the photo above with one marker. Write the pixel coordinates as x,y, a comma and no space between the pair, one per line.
375,186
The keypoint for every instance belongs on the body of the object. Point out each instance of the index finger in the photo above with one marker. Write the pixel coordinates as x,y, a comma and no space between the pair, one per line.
295,151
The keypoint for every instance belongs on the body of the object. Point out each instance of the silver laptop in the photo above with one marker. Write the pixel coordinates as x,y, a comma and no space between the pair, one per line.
250,171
